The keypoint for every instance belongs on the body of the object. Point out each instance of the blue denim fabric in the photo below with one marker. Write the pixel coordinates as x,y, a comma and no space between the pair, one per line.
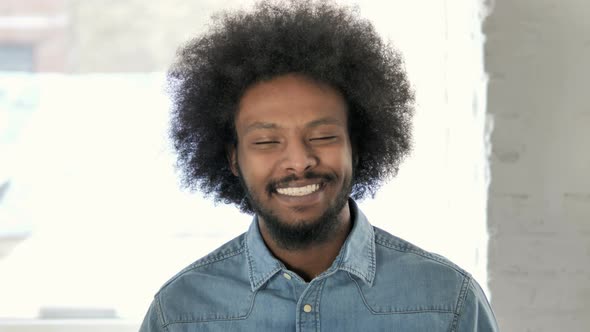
378,282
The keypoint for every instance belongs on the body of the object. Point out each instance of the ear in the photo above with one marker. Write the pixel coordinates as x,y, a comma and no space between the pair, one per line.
232,159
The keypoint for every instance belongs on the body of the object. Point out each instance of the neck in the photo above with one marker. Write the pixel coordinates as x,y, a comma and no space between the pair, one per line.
311,261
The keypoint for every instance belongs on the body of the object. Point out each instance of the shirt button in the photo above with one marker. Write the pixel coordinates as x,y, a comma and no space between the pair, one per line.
287,276
307,308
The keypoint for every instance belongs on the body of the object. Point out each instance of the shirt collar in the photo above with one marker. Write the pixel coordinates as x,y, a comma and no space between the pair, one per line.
357,255
261,263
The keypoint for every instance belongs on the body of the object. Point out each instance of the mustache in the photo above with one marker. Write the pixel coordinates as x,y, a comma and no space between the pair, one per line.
272,186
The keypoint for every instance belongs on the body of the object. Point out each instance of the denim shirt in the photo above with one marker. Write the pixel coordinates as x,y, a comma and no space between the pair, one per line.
378,282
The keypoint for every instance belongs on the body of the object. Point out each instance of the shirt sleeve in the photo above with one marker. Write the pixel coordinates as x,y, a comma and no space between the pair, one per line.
153,318
476,314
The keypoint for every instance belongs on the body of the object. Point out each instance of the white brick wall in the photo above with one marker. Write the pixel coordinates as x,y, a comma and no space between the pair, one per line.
537,56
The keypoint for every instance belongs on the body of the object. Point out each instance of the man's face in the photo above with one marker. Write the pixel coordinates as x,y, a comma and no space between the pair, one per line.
294,157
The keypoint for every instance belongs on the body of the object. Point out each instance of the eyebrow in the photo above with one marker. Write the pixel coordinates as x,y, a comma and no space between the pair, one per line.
324,121
260,125
270,125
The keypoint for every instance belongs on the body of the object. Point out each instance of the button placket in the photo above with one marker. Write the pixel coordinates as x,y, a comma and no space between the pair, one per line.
308,306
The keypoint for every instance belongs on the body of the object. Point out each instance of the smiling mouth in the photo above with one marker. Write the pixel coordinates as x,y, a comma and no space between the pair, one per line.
299,191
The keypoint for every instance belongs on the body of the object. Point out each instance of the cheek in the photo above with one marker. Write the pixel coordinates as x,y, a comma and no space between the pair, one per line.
255,168
340,159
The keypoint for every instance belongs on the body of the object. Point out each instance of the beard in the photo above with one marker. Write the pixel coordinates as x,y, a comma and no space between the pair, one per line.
303,233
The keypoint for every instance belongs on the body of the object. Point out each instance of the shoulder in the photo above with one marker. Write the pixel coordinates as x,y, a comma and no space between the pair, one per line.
215,286
395,247
213,261
410,279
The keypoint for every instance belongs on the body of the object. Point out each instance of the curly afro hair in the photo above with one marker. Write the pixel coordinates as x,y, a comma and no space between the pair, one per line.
325,42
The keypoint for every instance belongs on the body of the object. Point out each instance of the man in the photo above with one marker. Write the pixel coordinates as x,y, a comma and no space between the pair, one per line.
290,112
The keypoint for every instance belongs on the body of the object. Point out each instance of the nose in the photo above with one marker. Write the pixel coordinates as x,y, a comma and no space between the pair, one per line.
299,157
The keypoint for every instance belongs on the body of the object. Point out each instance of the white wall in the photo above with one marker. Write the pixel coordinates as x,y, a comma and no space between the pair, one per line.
537,56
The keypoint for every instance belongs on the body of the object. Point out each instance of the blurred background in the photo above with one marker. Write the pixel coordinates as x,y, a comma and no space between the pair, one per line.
93,220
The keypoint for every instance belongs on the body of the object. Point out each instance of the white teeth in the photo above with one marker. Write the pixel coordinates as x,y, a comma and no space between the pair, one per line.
300,191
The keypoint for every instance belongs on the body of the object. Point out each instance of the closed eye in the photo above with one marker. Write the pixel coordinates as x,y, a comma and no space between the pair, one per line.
323,138
266,142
